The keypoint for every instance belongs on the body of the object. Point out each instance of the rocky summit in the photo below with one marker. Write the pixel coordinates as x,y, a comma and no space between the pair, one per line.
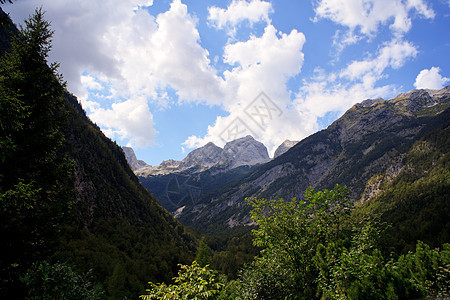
285,146
245,151
134,163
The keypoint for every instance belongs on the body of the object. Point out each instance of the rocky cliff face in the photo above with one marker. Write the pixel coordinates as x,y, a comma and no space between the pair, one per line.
245,151
284,147
362,143
134,163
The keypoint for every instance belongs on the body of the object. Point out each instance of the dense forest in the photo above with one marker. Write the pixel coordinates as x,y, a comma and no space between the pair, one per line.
77,224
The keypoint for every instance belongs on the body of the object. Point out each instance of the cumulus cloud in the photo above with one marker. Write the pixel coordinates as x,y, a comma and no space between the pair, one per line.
260,64
392,54
364,17
130,119
237,12
133,53
431,79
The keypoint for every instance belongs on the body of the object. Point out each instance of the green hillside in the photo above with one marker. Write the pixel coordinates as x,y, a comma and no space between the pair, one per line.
67,193
413,193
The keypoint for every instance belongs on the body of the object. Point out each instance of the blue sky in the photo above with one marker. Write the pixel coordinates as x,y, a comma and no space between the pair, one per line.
166,76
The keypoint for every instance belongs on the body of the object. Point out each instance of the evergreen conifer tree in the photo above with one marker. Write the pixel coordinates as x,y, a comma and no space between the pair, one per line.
34,174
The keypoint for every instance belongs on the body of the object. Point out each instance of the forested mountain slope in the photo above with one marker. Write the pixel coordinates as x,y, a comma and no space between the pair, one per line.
67,193
412,194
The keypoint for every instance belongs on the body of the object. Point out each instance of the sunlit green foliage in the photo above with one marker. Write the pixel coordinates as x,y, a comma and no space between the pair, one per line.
289,232
193,282
315,248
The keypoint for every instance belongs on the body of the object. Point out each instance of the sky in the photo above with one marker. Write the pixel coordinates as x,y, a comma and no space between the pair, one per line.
166,77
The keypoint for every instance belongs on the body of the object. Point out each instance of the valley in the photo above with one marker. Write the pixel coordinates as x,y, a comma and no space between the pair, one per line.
357,210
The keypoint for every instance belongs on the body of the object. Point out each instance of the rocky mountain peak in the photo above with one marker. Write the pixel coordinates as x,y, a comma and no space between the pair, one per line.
245,151
370,102
205,156
285,146
132,160
415,95
411,102
440,94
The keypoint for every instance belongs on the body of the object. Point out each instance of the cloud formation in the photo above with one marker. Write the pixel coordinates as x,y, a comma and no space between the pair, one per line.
338,91
237,12
130,119
117,58
119,46
431,79
363,18
260,64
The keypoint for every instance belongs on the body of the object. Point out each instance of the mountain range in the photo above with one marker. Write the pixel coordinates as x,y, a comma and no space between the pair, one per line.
371,138
245,151
179,183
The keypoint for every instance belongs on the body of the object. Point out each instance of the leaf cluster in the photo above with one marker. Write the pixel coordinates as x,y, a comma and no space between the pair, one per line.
193,282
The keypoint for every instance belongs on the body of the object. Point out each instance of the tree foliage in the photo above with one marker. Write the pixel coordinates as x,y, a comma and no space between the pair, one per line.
193,282
316,248
34,173
59,281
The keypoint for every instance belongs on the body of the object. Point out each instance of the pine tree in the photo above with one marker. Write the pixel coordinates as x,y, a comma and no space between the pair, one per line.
34,174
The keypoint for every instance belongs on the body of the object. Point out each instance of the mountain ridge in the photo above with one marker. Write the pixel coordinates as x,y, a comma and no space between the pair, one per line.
349,152
245,151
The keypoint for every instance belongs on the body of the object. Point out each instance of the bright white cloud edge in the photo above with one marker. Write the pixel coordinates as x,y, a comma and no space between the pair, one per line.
431,79
129,62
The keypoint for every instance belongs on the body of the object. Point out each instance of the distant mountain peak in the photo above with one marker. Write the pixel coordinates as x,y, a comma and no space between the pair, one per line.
205,157
245,151
285,146
132,160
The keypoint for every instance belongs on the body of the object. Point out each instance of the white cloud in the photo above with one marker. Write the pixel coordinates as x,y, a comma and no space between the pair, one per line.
131,53
259,64
392,54
431,79
90,82
357,81
364,17
237,12
129,119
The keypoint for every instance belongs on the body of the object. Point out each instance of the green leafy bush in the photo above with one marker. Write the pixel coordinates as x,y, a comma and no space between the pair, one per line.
59,281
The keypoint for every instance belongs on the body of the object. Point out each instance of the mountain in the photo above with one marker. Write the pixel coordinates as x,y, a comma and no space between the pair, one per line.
362,143
177,184
245,151
134,163
67,192
412,193
285,146
203,157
